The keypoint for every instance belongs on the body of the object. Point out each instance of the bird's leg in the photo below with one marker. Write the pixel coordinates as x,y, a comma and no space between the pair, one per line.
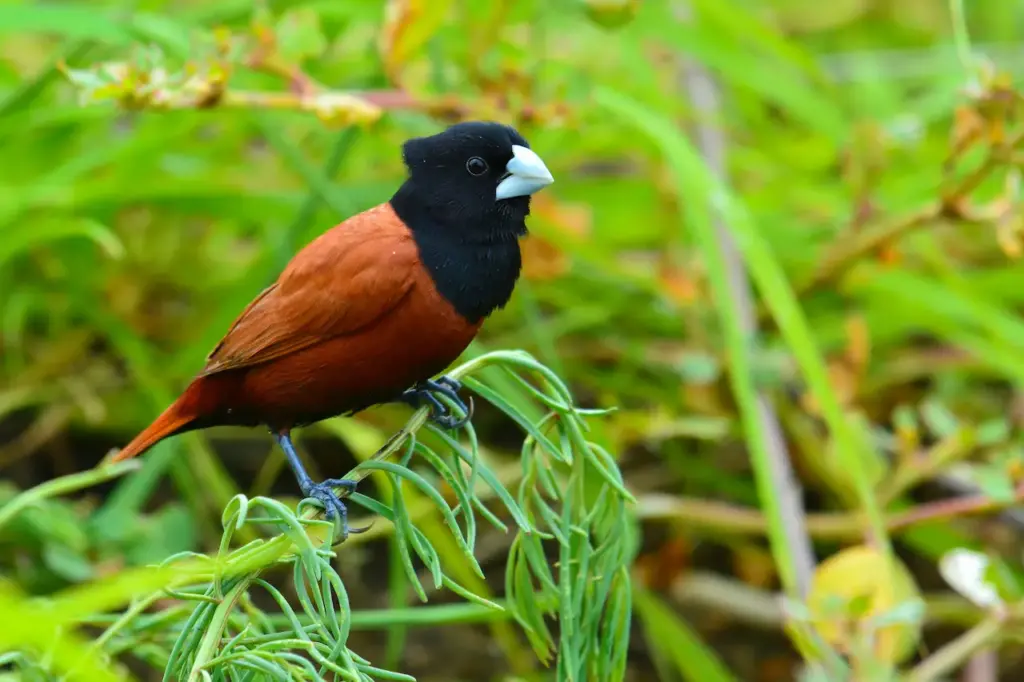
440,413
323,492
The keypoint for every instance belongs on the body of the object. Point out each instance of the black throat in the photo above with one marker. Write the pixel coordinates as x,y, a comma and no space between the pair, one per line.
473,260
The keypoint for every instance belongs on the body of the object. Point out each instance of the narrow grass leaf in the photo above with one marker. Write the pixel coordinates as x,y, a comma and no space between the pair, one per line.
695,179
692,658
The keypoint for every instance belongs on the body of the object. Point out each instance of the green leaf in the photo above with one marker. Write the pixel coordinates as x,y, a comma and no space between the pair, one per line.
65,20
676,642
67,563
910,612
694,179
993,431
994,482
299,35
939,419
49,231
999,575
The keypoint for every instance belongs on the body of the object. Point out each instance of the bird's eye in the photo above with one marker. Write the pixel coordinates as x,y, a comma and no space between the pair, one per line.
476,166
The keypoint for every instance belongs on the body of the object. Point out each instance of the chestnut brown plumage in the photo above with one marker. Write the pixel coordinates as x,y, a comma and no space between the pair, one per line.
373,308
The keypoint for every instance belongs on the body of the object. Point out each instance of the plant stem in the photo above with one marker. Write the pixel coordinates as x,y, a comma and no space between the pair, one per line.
215,630
777,485
64,485
732,518
954,654
125,618
961,37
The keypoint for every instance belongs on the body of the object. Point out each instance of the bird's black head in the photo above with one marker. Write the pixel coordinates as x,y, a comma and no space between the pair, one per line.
466,200
474,180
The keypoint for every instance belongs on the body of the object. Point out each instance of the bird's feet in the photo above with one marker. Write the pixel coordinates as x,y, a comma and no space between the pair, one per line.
334,509
440,413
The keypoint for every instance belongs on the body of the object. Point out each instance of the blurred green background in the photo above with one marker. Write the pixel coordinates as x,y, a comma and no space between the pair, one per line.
873,148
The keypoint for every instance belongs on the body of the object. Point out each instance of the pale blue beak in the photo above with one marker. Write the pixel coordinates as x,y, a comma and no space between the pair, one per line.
528,174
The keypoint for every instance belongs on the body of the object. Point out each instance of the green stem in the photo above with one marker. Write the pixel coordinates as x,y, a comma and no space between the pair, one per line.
125,618
62,486
215,630
738,350
953,655
961,37
427,615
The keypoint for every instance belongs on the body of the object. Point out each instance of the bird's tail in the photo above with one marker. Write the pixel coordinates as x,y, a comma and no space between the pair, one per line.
175,419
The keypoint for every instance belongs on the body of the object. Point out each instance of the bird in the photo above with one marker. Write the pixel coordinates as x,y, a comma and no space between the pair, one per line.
374,308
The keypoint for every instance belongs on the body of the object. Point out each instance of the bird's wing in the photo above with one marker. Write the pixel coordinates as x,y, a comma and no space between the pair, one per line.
341,282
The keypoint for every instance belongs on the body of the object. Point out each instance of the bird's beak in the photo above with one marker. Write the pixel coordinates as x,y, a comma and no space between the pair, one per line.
528,174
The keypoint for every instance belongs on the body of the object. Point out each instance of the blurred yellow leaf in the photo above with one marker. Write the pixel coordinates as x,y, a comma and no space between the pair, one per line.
611,13
657,570
573,218
857,585
340,109
679,283
754,565
968,127
408,25
846,371
542,260
889,254
1008,234
920,15
1008,217
801,16
545,258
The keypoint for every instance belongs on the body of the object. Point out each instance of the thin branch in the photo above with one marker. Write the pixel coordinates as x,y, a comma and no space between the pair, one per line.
950,657
953,508
763,609
983,667
851,248
729,518
134,86
749,605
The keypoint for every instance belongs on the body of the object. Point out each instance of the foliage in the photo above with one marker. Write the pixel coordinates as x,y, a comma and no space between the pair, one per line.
160,164
214,629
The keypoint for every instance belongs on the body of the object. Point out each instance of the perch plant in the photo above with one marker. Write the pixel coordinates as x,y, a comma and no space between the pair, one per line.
196,616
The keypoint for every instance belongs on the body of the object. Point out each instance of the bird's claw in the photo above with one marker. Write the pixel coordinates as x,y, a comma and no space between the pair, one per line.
452,384
440,413
334,509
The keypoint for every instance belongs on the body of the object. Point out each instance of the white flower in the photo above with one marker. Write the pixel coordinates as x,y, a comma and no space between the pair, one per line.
964,570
